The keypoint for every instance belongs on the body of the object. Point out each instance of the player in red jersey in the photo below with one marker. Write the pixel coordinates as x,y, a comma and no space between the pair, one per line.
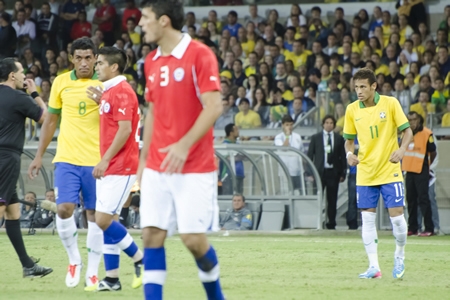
177,170
116,172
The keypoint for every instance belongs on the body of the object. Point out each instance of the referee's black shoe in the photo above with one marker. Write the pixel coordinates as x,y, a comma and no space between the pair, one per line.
36,271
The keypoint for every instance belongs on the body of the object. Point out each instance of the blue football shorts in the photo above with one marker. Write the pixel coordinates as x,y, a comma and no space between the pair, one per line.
70,180
393,195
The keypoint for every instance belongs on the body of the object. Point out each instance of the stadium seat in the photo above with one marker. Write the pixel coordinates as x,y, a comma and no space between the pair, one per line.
223,206
272,216
255,208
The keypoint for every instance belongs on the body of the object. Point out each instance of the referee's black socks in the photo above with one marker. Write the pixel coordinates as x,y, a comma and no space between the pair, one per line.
15,236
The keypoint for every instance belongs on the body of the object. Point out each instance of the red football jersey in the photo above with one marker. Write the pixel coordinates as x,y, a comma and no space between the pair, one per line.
101,12
130,13
119,103
174,86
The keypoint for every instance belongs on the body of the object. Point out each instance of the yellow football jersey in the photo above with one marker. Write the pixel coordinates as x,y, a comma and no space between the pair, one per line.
383,69
299,60
376,128
79,135
251,120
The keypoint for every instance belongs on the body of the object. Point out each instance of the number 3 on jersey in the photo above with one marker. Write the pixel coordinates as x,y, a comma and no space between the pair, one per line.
164,76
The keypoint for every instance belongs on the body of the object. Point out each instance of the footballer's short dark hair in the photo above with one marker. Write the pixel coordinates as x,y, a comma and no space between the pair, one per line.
7,66
173,9
83,43
114,56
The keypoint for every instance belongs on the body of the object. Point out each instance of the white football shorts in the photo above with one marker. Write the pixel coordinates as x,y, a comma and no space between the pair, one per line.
184,201
113,192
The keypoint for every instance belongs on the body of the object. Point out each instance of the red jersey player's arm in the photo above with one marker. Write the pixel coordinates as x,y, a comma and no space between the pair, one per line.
211,112
147,137
121,137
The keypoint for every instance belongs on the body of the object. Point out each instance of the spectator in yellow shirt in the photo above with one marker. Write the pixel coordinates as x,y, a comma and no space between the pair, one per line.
299,54
252,67
417,43
440,95
247,44
375,45
339,114
212,17
247,118
405,30
423,107
286,93
335,64
280,43
446,117
379,67
134,36
386,26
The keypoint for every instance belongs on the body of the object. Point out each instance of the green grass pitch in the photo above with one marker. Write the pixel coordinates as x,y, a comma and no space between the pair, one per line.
252,267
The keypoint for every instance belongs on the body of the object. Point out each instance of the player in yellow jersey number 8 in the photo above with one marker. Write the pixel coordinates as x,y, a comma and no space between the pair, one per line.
77,153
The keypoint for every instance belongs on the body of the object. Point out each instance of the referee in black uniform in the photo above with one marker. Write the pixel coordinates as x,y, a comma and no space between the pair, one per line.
15,107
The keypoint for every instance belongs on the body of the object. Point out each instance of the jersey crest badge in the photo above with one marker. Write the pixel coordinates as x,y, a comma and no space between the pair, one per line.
178,74
106,107
382,115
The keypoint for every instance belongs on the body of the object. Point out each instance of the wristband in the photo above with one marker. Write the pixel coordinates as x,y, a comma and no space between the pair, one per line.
349,153
34,95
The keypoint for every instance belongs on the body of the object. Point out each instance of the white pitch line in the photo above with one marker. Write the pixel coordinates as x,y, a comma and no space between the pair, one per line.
334,241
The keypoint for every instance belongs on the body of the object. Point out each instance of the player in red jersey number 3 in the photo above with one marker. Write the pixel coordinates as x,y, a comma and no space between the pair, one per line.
177,171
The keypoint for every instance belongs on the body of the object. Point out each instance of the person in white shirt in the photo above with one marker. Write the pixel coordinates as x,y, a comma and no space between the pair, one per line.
288,138
25,30
254,17
190,21
54,6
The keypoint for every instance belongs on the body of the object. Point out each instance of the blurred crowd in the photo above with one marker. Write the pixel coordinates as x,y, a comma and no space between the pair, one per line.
269,67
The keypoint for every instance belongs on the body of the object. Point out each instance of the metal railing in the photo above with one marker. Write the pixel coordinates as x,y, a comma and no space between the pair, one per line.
267,178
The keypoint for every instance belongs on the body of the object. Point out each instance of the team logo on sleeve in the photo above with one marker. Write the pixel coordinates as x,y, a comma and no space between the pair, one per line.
178,74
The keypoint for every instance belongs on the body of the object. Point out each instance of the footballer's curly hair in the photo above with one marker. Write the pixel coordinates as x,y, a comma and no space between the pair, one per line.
365,73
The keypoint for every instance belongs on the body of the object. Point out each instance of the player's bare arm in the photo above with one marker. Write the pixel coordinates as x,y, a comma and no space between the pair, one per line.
31,87
352,159
47,131
177,153
121,137
397,155
147,137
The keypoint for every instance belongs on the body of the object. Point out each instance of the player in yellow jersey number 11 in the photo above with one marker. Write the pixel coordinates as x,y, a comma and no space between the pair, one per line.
375,120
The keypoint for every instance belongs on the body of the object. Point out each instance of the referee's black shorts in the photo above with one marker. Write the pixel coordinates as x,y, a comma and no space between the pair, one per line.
9,174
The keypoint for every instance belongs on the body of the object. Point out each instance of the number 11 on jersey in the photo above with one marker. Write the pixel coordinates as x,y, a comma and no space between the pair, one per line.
374,131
